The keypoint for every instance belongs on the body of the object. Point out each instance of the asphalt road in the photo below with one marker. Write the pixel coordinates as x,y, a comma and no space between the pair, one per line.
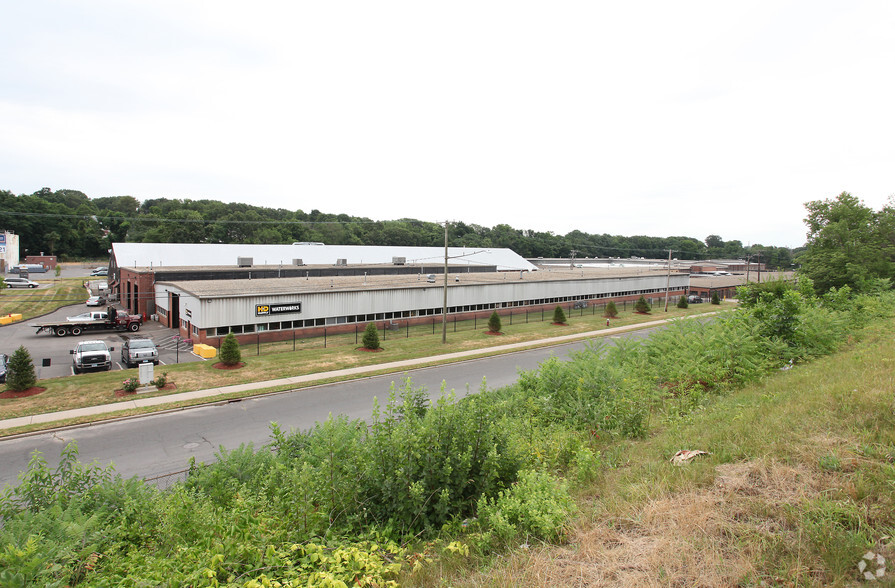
163,443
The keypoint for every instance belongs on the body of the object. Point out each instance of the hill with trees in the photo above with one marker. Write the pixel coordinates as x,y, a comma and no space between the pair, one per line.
71,225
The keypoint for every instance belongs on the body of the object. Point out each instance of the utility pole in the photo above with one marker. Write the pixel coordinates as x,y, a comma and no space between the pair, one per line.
668,280
759,267
748,265
572,255
444,303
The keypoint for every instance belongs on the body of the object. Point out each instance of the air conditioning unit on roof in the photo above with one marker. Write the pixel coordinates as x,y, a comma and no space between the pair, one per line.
399,260
244,261
298,262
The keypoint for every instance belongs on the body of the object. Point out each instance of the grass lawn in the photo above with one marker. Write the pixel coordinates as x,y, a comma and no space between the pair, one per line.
798,486
31,303
277,360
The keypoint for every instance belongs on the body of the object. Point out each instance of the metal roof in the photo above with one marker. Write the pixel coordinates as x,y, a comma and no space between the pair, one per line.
299,285
226,254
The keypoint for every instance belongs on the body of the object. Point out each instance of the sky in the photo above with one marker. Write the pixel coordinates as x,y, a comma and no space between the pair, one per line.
630,118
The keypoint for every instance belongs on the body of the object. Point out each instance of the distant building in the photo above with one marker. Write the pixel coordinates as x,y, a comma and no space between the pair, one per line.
9,250
273,292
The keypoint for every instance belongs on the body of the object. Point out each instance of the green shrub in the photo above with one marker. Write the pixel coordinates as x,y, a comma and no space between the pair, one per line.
20,371
642,306
715,298
682,302
423,469
230,353
371,337
538,505
130,385
494,322
559,317
611,311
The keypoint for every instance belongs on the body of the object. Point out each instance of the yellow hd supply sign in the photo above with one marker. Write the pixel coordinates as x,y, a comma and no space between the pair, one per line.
268,309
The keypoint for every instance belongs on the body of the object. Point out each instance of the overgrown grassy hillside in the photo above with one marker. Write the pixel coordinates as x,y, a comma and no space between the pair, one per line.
561,479
798,487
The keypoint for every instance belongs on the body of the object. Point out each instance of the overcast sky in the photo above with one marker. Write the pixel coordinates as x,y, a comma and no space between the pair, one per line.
634,118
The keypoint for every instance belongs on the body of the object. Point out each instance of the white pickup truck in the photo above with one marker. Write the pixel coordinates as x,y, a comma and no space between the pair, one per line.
91,355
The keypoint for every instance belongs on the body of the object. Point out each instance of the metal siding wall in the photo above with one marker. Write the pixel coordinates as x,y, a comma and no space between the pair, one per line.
216,312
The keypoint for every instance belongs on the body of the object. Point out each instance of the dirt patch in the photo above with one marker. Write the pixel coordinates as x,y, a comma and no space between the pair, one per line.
224,366
493,333
560,324
377,350
33,391
689,538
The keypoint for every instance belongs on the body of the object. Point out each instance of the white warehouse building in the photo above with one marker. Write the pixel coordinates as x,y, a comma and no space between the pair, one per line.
275,292
207,310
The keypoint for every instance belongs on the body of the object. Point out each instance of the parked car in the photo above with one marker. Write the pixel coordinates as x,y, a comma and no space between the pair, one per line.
20,283
100,271
3,361
96,301
694,299
138,350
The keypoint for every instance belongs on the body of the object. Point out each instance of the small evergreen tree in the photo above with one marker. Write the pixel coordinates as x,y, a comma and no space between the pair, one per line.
371,337
715,298
20,371
230,354
494,322
682,302
642,306
611,310
559,317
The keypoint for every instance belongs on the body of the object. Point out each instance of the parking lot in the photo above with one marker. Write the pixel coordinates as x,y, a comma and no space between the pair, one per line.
51,356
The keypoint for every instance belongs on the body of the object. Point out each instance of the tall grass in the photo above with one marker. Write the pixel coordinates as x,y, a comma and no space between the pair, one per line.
424,484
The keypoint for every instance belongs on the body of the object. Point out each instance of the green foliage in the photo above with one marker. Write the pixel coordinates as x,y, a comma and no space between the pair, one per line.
537,506
611,311
642,306
20,370
424,469
371,337
559,317
118,219
284,514
39,487
715,298
130,385
230,353
749,294
161,380
682,302
494,322
848,243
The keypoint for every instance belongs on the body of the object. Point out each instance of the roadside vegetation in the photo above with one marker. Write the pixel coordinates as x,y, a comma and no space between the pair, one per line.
270,361
565,475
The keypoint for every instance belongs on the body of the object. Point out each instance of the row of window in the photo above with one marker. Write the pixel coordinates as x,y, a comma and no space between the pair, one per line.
382,316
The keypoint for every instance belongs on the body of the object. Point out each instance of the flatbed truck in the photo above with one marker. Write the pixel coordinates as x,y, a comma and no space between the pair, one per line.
115,321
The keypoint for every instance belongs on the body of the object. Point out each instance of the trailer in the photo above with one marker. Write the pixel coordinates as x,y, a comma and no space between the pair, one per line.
110,320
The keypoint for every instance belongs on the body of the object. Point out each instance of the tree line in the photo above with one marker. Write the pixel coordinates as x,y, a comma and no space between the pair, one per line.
71,225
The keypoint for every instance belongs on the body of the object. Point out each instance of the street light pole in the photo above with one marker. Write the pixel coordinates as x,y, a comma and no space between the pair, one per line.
444,302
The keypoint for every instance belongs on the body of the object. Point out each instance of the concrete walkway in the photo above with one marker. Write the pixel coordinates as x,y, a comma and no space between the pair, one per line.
395,366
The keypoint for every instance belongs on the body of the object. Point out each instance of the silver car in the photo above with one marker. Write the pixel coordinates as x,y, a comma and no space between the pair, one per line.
20,283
